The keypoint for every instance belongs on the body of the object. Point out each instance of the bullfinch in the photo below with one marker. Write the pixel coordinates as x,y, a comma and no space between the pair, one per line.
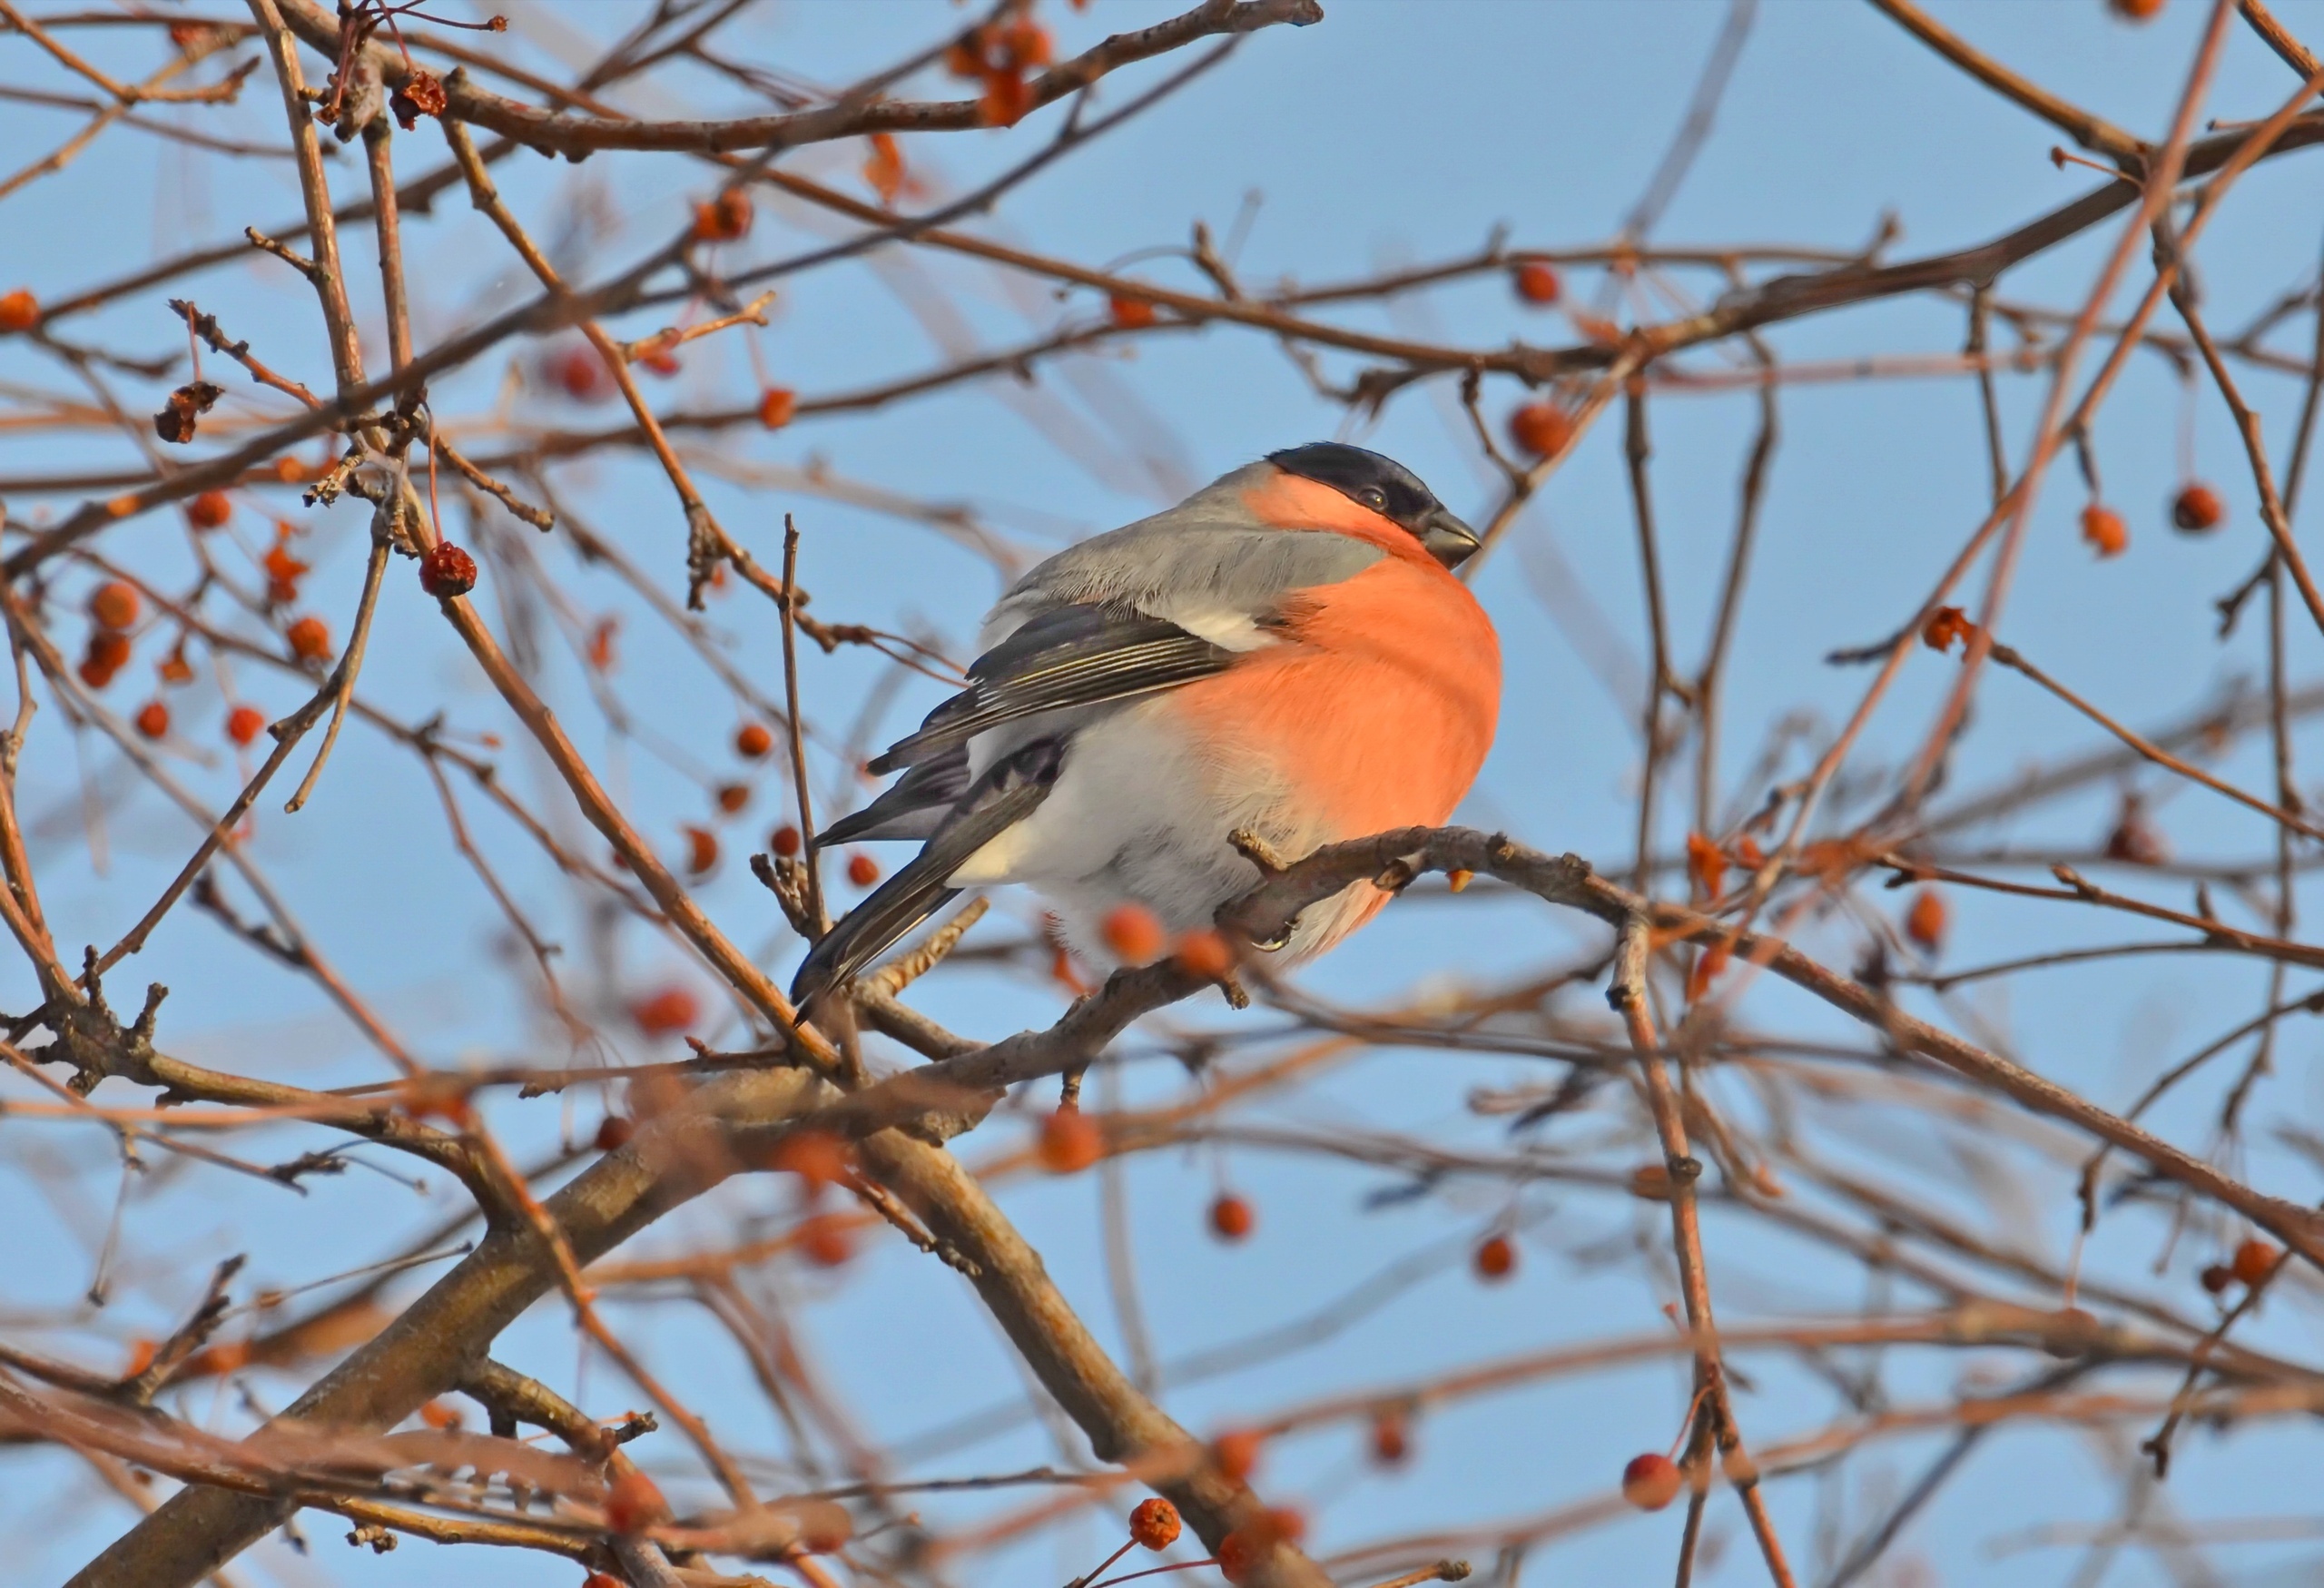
1286,651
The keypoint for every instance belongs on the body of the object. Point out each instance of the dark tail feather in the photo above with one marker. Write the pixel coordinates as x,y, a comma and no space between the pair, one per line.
917,890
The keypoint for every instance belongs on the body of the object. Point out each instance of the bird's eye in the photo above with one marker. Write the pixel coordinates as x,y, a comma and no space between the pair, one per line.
1373,497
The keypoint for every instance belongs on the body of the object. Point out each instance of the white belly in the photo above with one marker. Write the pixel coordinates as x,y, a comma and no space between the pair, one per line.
1140,815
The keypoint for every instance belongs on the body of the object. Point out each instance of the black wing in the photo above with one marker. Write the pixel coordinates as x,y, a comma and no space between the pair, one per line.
1003,797
1075,656
916,807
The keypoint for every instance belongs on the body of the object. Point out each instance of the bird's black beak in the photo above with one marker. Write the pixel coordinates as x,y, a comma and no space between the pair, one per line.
1447,540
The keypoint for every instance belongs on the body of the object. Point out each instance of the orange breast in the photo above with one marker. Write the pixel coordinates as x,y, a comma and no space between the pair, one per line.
1378,706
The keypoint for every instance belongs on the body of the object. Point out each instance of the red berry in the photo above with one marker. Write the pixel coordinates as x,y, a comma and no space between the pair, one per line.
580,372
863,870
701,849
820,1157
1236,1454
115,604
823,1240
1495,1257
310,639
725,219
777,407
1537,281
244,723
1155,1524
95,674
1130,313
733,797
446,571
1204,953
19,312
601,1579
1391,1438
1651,1481
2253,1261
753,740
1069,1142
153,719
2104,529
666,1012
613,1131
1542,429
784,840
209,510
438,1414
634,1503
1134,933
109,649
1925,922
2136,10
2196,509
1231,1218
1238,1554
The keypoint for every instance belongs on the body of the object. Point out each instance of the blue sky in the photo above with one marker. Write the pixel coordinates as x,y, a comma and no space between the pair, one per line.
1392,133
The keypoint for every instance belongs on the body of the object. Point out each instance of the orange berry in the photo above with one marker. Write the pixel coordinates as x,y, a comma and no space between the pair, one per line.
2104,529
2197,508
1155,1524
115,604
1925,922
446,571
1236,1453
1651,1481
733,797
777,407
580,373
1204,953
1706,866
1238,1554
1231,1218
659,360
95,674
1495,1257
310,639
19,312
1130,313
820,1157
725,219
153,719
1536,281
753,740
2253,1261
602,1580
1134,933
784,840
1542,429
244,723
863,870
108,649
1069,1142
438,1415
209,510
662,1014
823,1240
2136,10
701,849
1391,1438
613,1132
634,1503
141,1357
1945,626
